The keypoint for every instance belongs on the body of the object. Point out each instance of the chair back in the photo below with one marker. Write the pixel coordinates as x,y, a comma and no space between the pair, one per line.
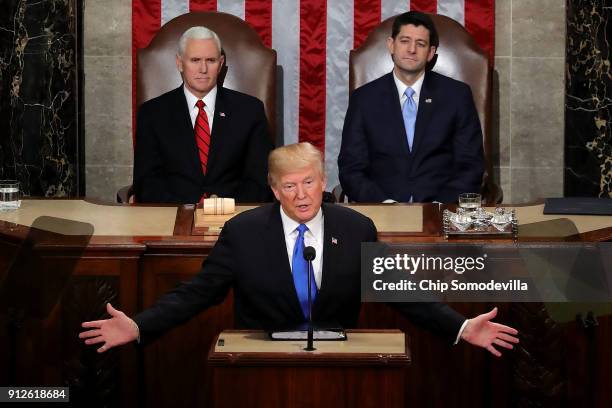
458,56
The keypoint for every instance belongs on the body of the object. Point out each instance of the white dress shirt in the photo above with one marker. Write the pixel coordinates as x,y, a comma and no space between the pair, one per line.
209,105
312,237
416,87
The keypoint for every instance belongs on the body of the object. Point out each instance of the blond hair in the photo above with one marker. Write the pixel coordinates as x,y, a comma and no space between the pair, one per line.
291,158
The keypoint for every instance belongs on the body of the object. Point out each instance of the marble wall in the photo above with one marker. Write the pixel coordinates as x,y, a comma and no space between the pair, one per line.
108,96
528,97
588,110
39,99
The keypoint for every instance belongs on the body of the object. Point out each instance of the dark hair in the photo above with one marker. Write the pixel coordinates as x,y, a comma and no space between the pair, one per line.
416,18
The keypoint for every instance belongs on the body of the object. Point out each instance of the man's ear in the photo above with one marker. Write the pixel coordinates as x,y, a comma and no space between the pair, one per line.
390,45
432,52
276,193
222,62
179,63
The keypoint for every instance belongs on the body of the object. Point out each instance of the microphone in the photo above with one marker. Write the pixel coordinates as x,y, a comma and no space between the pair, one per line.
309,255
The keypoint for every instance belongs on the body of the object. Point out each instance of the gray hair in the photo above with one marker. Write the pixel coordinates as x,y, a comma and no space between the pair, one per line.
198,33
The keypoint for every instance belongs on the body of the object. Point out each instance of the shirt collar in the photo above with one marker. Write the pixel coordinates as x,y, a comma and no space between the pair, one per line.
314,226
209,99
401,87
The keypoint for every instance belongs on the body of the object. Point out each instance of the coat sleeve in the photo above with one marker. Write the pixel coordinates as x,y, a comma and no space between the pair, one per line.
468,160
253,186
149,182
354,158
208,287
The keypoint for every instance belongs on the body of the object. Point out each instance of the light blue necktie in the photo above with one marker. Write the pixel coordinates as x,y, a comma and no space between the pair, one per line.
300,271
409,112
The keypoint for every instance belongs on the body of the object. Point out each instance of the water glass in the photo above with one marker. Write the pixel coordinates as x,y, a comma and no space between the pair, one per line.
469,201
9,195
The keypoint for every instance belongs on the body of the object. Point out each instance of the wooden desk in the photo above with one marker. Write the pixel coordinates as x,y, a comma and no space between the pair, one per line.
132,269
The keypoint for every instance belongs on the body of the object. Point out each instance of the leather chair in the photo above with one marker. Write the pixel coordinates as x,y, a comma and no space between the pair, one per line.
458,57
250,66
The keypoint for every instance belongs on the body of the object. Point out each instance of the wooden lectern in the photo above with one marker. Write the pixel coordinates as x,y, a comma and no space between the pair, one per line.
366,370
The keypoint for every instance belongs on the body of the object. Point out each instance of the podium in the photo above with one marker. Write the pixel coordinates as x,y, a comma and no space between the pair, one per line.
366,370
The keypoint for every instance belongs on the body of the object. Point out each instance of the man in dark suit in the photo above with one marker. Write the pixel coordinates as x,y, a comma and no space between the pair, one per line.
260,255
201,139
411,135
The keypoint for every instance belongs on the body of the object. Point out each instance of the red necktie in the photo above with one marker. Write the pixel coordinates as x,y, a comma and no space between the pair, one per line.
202,132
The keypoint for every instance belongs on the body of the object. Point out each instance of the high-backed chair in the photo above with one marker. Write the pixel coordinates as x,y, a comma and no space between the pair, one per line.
458,57
250,66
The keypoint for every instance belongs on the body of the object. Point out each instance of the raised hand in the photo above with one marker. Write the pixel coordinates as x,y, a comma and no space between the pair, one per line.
117,330
481,331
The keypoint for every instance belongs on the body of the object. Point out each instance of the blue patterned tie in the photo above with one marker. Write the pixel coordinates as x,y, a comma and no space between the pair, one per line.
300,271
409,112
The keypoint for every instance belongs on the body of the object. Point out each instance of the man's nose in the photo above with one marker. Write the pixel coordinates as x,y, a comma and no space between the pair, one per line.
300,191
203,67
412,48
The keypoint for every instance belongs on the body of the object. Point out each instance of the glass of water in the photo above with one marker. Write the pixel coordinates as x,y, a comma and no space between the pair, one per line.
469,201
9,195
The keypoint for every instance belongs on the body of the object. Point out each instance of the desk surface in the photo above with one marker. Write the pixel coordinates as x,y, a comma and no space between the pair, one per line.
394,222
386,342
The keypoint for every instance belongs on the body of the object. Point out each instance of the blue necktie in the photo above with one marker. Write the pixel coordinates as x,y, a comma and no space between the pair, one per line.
300,271
409,112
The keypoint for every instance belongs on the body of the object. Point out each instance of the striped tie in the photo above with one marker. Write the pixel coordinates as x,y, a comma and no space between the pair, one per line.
202,132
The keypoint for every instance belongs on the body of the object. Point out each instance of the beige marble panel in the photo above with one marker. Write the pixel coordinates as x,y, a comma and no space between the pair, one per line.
503,26
537,112
108,111
500,130
579,223
107,27
104,220
530,184
538,28
502,178
103,182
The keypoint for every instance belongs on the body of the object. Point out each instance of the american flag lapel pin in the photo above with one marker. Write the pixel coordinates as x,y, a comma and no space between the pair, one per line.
334,241
428,100
222,114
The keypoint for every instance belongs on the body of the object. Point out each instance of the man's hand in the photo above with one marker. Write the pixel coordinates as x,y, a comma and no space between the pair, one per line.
481,331
117,330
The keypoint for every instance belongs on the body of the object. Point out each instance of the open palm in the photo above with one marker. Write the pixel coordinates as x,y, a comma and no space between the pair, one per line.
117,330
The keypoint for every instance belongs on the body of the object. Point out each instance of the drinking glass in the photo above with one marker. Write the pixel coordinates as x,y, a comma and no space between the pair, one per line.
9,195
469,201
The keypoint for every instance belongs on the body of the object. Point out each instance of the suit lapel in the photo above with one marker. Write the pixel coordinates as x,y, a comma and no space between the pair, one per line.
220,134
426,107
396,119
184,132
331,251
279,262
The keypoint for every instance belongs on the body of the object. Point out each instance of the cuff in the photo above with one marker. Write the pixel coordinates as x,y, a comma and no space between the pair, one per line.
138,332
460,331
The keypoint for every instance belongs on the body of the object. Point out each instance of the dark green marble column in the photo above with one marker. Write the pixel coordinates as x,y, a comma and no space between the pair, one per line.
588,102
40,128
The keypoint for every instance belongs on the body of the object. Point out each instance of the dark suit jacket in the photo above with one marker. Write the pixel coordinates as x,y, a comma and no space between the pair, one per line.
251,257
375,162
167,167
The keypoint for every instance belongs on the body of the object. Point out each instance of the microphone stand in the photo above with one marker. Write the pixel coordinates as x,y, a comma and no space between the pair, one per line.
310,336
